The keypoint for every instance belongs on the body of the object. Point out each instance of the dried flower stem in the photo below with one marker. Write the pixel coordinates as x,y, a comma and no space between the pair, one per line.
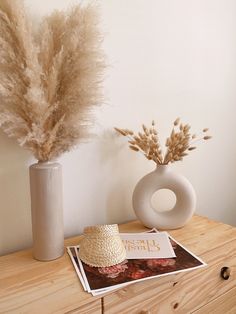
178,143
49,80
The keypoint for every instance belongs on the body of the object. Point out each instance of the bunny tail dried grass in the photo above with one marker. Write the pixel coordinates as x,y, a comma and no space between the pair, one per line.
177,144
49,81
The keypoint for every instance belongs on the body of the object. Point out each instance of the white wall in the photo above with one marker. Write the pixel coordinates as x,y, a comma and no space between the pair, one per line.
167,59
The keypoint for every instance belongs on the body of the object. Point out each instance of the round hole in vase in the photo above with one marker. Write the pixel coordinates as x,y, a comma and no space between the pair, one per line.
163,200
164,178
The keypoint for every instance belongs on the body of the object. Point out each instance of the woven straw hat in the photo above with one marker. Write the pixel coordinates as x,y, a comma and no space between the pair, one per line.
102,246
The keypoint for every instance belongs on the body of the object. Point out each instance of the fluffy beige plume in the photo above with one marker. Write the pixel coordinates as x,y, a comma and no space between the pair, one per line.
178,143
49,80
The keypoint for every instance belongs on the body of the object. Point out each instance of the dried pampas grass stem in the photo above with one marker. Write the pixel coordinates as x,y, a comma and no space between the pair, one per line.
49,80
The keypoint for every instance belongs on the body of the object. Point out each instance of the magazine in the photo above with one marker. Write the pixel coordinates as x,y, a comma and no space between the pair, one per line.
147,245
72,251
99,280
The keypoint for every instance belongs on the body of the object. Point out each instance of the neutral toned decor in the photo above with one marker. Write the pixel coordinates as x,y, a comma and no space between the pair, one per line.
102,246
50,81
178,144
47,210
30,286
164,178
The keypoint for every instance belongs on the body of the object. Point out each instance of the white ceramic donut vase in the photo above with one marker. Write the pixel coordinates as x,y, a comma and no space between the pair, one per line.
164,178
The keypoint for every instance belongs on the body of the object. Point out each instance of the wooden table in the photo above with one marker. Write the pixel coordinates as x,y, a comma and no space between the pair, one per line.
30,286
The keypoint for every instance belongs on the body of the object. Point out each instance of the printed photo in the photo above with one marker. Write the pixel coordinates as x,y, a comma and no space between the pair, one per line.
132,270
72,251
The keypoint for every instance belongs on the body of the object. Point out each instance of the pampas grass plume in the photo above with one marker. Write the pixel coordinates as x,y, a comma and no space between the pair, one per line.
50,80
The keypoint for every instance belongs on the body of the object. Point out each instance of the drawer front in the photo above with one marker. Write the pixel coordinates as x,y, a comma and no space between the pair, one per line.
223,304
180,293
94,307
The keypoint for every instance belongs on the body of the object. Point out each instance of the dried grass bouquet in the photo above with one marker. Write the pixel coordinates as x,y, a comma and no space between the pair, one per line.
50,79
178,144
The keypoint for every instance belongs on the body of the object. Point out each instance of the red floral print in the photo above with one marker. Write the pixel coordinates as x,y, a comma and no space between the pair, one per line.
113,271
163,262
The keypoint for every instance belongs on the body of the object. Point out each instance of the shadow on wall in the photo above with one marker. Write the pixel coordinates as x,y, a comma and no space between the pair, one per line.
15,219
122,174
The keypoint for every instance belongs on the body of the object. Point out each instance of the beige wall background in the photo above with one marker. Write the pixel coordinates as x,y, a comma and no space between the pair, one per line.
166,59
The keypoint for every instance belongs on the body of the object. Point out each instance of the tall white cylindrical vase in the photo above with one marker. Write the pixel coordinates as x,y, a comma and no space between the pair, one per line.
47,210
164,178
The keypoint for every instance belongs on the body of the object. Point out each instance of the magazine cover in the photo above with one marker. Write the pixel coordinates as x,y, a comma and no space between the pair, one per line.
147,245
72,251
73,254
132,270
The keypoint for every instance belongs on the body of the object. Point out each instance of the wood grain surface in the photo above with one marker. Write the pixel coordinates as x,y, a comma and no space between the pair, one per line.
225,304
185,292
30,286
